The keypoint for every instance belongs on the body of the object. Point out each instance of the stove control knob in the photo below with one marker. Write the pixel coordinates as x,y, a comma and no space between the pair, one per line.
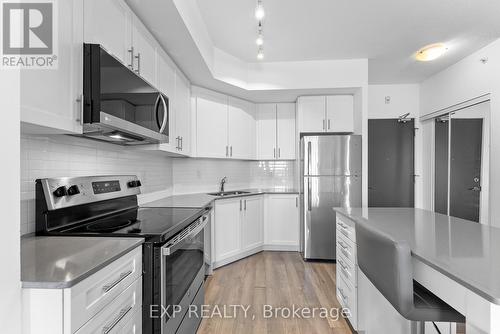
134,184
73,190
60,192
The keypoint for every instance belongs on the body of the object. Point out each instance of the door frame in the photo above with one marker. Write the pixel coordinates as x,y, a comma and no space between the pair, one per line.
484,207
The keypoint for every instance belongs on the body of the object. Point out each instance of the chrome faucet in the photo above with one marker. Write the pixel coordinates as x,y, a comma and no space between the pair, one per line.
222,182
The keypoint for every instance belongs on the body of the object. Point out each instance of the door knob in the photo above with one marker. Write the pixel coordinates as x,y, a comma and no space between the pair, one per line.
476,188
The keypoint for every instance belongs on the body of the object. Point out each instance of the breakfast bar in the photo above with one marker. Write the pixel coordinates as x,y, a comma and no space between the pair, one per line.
455,259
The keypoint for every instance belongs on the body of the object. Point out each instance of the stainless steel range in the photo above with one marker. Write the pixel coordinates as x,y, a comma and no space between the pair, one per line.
173,254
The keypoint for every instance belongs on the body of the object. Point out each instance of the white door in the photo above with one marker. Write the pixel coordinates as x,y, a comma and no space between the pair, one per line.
340,113
251,224
241,129
312,112
266,131
50,97
144,51
211,127
108,23
227,228
286,131
282,221
183,113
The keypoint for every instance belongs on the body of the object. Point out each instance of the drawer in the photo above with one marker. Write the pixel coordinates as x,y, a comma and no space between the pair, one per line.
120,315
190,324
346,269
91,295
347,295
347,248
346,227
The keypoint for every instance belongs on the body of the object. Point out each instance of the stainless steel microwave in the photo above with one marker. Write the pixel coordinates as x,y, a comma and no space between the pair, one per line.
118,105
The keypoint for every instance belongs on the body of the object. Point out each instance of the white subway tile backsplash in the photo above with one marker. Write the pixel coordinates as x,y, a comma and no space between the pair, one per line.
59,155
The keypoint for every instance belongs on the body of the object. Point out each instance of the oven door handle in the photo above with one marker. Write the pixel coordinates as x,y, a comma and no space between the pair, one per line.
173,246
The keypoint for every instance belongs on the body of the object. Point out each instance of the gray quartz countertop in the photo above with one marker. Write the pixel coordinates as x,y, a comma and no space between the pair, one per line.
465,251
61,262
201,200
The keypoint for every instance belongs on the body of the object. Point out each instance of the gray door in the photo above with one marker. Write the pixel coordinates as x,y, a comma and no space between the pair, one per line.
321,195
391,168
465,167
332,155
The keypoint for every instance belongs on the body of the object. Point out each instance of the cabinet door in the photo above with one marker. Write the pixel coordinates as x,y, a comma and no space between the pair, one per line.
312,113
144,51
166,74
340,113
286,131
108,22
266,131
211,127
227,228
282,221
251,224
183,113
50,97
241,129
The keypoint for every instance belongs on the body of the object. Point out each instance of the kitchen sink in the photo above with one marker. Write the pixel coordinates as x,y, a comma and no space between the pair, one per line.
228,193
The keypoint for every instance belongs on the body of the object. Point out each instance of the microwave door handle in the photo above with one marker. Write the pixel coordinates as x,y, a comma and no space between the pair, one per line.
165,114
171,248
156,110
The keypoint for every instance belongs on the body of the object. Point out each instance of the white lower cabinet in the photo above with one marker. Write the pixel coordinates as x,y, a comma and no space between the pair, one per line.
347,268
282,222
108,301
246,225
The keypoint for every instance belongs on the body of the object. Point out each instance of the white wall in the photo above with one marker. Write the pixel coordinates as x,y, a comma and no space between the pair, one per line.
10,283
463,81
404,98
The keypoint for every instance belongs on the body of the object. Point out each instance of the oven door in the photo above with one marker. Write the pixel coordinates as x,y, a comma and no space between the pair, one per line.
182,273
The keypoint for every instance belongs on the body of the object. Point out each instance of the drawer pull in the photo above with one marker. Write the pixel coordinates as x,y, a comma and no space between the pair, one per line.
345,232
342,294
123,313
342,245
111,285
346,253
343,265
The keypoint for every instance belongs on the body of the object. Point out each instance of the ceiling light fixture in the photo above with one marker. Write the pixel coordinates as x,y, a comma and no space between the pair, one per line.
259,11
260,54
431,52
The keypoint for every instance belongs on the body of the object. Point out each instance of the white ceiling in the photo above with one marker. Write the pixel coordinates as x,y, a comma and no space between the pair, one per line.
387,32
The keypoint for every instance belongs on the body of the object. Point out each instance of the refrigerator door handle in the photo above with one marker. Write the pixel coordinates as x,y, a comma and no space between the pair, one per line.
309,201
308,158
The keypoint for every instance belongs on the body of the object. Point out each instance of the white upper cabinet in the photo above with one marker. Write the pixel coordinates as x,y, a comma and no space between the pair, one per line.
266,131
285,136
51,97
276,131
326,113
241,129
182,114
211,126
311,116
109,23
144,51
166,74
340,113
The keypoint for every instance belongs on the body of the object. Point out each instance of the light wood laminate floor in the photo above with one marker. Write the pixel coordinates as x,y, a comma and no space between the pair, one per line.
280,279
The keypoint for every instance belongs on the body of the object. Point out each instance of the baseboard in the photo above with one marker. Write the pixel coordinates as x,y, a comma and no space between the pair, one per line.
255,250
281,248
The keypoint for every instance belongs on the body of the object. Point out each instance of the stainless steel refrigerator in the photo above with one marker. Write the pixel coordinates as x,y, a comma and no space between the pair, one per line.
331,177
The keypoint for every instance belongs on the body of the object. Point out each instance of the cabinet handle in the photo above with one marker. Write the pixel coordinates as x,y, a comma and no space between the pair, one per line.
138,57
240,204
82,107
324,125
111,285
342,245
177,141
121,315
182,143
131,51
296,202
231,151
245,205
274,152
328,124
227,150
279,152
